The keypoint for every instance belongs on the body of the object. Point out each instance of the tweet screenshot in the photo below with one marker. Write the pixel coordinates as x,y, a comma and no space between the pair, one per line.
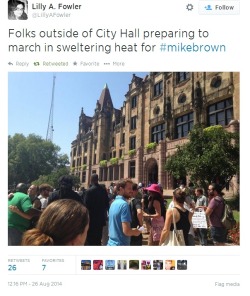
121,147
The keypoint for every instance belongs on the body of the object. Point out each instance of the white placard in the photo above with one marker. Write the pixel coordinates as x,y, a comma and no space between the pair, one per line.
199,220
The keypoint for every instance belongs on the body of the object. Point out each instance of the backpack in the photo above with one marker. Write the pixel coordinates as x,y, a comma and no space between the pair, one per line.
228,218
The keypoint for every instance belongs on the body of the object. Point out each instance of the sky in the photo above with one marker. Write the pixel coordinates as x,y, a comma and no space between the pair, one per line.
30,96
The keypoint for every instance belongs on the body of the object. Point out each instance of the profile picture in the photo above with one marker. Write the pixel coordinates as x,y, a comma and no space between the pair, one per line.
169,264
97,264
85,264
109,264
121,264
17,9
146,264
134,264
157,264
182,264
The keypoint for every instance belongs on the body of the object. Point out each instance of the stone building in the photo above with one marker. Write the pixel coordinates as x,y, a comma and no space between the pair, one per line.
158,112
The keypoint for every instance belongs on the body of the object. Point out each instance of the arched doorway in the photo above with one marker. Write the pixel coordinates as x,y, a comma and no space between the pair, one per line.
151,171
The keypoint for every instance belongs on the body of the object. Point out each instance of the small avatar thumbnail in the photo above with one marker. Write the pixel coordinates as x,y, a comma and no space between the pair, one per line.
97,264
121,264
85,264
134,264
182,264
169,264
110,264
146,264
157,264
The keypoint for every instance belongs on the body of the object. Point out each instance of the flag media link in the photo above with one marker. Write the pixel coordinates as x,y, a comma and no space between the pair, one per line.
192,47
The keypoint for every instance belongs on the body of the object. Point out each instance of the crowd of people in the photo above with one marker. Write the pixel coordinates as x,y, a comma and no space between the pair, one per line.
114,216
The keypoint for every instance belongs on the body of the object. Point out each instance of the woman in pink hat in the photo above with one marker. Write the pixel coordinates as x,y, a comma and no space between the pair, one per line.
156,212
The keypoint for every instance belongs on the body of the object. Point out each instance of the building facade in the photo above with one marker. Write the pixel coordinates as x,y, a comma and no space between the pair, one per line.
158,112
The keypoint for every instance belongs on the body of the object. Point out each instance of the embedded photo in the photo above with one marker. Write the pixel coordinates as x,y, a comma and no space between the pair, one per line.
123,159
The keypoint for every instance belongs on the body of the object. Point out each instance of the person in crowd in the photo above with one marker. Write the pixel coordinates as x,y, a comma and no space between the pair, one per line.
65,190
120,229
44,190
161,188
136,215
156,212
140,186
201,205
32,192
210,195
144,202
105,231
82,192
182,186
97,203
214,212
11,193
63,223
36,203
111,190
16,10
182,216
114,194
18,223
189,205
190,191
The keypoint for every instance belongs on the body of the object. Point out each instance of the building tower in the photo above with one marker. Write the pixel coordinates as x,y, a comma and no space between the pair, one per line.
50,128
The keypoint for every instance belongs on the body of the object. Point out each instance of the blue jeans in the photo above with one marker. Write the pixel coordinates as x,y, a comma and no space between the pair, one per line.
218,234
202,235
191,241
14,237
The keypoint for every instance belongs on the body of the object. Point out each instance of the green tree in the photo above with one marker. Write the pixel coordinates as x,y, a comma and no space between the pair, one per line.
53,177
211,154
30,157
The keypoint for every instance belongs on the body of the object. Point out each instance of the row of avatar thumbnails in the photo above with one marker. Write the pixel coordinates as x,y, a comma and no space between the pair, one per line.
134,264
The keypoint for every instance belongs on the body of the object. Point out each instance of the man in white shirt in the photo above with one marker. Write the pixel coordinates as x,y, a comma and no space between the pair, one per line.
201,205
44,190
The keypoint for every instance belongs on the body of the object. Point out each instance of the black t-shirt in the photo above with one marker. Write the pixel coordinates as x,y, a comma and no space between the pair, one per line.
146,201
135,204
69,194
97,202
151,208
183,224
